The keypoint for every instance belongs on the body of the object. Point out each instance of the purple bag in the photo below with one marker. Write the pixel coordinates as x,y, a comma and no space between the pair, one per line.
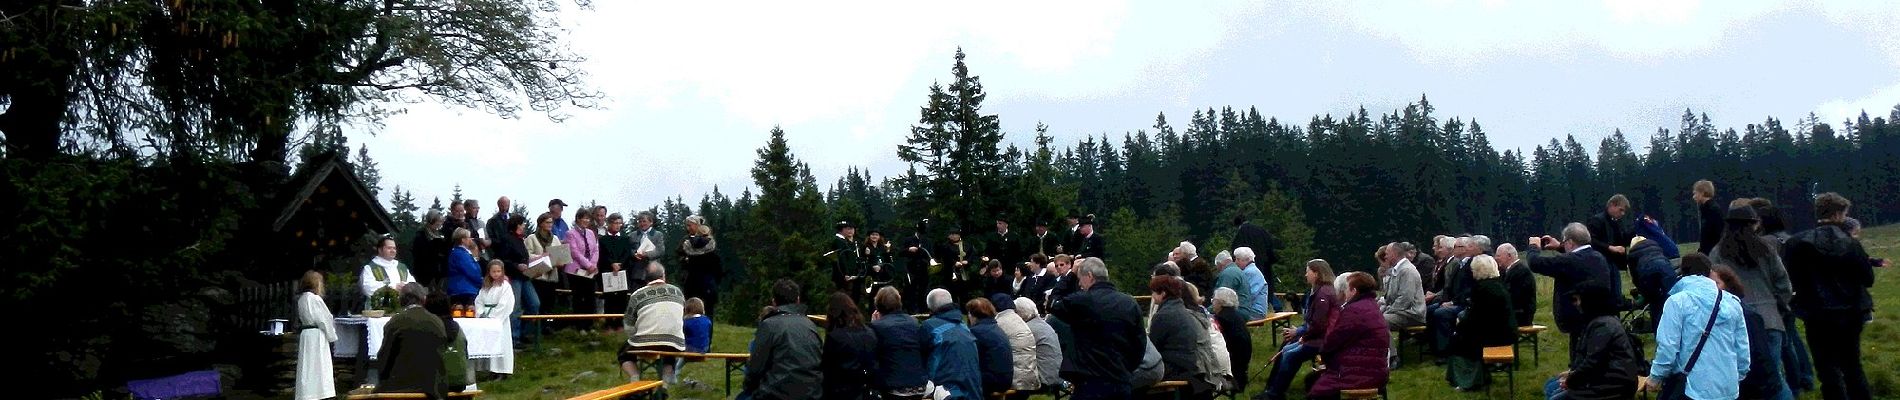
189,384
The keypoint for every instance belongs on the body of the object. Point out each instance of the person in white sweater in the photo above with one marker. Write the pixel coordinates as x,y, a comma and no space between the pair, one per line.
655,320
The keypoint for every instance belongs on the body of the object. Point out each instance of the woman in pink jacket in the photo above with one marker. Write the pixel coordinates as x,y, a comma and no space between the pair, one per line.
582,272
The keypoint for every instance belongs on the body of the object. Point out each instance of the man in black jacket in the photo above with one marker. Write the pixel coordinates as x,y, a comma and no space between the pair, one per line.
846,272
1046,243
1830,273
917,257
1712,214
1576,265
1254,237
1611,238
1109,341
959,265
1087,242
1519,281
786,351
1003,245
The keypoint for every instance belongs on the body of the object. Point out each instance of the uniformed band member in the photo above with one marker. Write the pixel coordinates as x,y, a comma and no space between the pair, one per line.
1071,224
1047,244
845,268
1087,243
959,262
917,261
876,255
1003,245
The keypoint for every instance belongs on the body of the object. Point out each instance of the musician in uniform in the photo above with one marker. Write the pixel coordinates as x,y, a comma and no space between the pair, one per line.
1003,245
1047,244
1087,242
917,265
876,254
959,264
845,268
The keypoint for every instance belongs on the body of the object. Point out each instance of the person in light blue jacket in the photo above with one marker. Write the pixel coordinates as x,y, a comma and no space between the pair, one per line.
1718,372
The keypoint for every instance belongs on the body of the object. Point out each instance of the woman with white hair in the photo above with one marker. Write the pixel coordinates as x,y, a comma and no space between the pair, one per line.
1233,328
1048,346
1487,322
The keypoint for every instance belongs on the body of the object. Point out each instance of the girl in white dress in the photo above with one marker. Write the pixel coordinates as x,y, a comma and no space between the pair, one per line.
316,329
496,300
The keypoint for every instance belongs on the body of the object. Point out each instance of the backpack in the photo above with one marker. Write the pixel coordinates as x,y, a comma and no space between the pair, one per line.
455,363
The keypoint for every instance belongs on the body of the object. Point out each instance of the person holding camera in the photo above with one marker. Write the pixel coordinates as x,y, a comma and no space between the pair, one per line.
1577,263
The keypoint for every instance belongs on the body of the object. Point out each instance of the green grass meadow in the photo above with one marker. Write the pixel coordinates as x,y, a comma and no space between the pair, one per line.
572,363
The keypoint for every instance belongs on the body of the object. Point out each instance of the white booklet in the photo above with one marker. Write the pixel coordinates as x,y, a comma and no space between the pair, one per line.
614,281
540,266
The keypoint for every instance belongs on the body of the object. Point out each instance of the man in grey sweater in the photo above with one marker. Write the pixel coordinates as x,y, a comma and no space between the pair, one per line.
1403,300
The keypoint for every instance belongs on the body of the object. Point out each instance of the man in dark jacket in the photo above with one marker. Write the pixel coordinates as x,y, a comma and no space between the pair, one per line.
1109,341
846,271
1046,242
498,223
1003,244
917,256
952,363
1254,237
786,351
1831,274
1520,283
1610,235
413,342
1711,212
1443,308
902,346
1087,242
1604,362
1577,264
960,264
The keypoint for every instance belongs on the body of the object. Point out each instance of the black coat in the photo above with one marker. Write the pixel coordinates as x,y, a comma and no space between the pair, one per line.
1567,271
1091,246
1233,329
431,256
1487,320
849,359
1712,225
1458,283
1254,237
1176,336
1606,232
1106,326
512,252
1005,247
901,348
993,355
1046,244
947,255
411,355
1604,361
916,263
619,249
844,253
1034,287
1829,271
1522,286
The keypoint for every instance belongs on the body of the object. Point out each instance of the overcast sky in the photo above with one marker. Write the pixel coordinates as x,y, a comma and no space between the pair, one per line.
694,87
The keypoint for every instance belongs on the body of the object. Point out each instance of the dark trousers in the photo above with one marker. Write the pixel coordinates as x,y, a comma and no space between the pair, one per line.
580,299
916,288
1796,366
1441,321
1835,339
1091,389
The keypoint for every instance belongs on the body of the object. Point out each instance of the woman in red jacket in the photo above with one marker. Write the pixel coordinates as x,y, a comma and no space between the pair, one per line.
1357,343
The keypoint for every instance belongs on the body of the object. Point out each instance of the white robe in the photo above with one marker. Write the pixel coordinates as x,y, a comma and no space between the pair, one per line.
496,302
391,269
316,379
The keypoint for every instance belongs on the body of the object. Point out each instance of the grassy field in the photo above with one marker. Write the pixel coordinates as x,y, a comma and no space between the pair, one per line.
572,363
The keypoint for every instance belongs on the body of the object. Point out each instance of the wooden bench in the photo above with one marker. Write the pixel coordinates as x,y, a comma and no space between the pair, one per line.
470,394
1501,359
1362,394
1530,334
1410,333
650,360
1276,321
1167,387
641,389
1003,395
538,319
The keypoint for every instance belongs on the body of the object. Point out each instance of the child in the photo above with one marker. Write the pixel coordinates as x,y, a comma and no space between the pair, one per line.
698,328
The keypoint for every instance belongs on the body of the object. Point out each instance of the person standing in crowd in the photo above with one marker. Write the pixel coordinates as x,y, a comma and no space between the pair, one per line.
465,276
1604,359
1071,229
316,329
1233,329
1047,244
458,217
429,250
1758,266
1486,322
1702,340
472,220
1048,346
787,351
899,372
1759,382
1305,341
1703,193
993,357
1106,326
411,354
1612,235
1357,343
959,264
383,271
954,361
876,256
1653,273
1831,274
529,290
600,215
1577,264
582,274
1087,242
654,320
1403,304
1796,364
917,265
496,301
555,208
1520,284
1255,282
699,256
845,269
1251,236
850,352
497,226
512,251
1177,335
616,254
643,230
1003,245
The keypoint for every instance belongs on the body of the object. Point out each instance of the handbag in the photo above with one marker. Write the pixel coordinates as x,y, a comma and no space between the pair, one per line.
1675,386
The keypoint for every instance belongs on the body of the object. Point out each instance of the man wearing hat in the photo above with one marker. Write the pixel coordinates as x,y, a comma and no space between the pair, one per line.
1047,244
917,259
1069,226
1003,245
958,262
560,225
1087,243
845,269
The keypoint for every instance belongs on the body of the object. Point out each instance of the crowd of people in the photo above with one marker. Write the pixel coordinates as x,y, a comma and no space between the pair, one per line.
1038,313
